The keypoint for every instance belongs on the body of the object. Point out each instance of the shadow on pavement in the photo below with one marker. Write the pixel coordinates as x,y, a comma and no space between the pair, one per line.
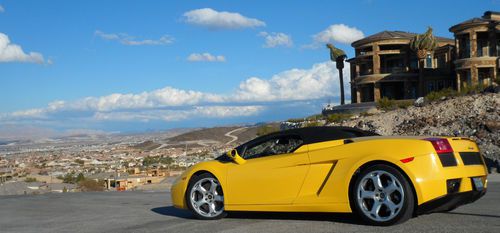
342,218
492,164
479,215
172,211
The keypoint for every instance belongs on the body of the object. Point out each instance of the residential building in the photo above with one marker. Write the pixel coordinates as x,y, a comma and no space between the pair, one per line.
385,66
477,43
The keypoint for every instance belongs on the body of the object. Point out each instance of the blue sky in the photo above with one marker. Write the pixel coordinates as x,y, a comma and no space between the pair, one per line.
188,63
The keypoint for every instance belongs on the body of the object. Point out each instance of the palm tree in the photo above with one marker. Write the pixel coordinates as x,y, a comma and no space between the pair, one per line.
338,56
422,44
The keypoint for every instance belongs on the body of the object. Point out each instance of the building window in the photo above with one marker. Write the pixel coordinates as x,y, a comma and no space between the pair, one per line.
428,61
413,62
484,77
441,62
482,44
464,46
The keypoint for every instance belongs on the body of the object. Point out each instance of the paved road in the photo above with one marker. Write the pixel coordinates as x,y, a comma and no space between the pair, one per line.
151,212
233,138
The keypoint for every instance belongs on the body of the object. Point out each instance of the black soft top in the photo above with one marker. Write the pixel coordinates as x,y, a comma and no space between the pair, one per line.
317,134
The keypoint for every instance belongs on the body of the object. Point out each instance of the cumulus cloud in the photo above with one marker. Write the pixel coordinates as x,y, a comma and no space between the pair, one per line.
2,10
199,57
10,52
213,19
172,104
177,115
126,39
276,39
295,84
339,33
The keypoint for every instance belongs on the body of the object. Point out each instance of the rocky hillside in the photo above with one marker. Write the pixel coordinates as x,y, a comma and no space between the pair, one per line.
474,116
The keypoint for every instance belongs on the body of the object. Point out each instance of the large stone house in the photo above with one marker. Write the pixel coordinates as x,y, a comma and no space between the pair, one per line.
385,66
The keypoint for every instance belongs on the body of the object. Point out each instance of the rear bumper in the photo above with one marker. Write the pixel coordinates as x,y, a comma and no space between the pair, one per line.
450,201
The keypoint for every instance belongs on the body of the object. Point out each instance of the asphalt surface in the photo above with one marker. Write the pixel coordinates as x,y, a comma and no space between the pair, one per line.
152,212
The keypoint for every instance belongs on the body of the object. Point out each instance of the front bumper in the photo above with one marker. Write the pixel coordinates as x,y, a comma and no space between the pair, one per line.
177,193
450,201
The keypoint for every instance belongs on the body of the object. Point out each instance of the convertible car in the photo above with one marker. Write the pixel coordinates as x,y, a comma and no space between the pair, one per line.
385,180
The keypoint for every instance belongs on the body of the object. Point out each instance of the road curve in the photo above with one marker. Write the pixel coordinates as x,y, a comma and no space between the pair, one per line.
233,138
152,212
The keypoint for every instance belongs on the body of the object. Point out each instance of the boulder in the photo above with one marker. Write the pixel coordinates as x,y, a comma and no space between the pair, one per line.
419,102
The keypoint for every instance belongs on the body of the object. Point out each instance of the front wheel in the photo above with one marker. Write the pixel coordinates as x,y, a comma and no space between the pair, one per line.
205,197
382,196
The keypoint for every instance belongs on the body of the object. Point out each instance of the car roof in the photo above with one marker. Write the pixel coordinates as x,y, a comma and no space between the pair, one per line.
318,134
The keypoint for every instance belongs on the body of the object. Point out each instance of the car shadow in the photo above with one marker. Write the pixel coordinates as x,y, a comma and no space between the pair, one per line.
331,217
174,212
478,215
492,165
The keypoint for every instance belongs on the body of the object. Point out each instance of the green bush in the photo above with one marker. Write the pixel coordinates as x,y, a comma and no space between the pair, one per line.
386,104
267,129
337,117
473,89
316,117
436,95
88,185
72,178
313,124
30,179
295,120
404,103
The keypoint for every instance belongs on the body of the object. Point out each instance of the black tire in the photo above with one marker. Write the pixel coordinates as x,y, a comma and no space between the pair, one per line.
190,203
404,196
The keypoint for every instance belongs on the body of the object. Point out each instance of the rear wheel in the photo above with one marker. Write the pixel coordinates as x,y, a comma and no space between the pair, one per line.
382,196
205,197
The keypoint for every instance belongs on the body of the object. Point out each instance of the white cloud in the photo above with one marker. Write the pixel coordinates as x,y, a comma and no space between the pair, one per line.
2,10
14,53
213,19
177,115
126,39
196,57
276,39
172,104
339,33
295,84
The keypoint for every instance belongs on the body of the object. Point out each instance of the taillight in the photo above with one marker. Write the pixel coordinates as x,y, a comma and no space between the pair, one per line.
441,145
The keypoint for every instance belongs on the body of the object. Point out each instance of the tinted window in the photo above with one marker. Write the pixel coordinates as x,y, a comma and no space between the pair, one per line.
273,146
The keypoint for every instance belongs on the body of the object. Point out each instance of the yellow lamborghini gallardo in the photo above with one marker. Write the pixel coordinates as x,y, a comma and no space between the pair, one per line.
385,180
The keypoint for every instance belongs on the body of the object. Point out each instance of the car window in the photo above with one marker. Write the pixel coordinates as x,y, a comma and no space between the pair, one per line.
273,146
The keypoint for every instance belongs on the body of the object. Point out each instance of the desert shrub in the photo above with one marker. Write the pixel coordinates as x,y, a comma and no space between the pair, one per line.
316,117
385,103
72,178
88,185
404,103
472,89
313,124
337,117
30,179
266,129
295,120
365,114
436,95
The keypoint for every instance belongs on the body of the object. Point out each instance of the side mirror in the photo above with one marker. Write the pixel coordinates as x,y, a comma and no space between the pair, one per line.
233,154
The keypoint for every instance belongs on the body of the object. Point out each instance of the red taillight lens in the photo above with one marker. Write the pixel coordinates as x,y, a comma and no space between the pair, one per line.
441,145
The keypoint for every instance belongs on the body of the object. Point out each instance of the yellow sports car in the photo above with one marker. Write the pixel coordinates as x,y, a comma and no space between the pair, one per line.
385,180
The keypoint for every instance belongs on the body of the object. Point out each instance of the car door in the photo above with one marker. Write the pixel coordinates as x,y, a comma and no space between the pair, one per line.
272,174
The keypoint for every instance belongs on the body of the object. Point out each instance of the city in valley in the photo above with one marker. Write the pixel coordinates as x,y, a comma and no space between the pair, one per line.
109,162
